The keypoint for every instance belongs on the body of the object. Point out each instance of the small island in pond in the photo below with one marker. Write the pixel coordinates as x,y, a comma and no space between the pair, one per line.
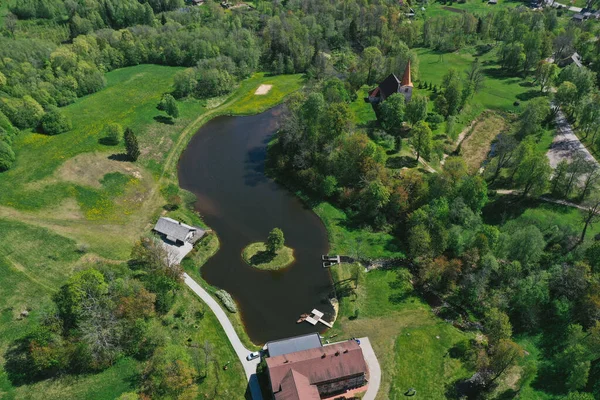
271,255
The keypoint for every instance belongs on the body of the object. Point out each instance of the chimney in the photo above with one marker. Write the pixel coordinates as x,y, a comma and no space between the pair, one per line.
345,351
337,353
323,355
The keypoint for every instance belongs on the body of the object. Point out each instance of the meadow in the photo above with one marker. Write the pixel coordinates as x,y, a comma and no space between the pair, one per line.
71,200
411,343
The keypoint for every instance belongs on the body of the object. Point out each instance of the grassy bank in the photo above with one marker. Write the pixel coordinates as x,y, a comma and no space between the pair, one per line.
257,256
411,343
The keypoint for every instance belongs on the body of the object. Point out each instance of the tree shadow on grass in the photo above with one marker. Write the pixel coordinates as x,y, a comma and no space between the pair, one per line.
119,157
164,120
106,141
401,162
528,95
262,257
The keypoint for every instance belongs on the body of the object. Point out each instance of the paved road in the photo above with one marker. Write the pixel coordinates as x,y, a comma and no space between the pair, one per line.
565,143
374,369
236,343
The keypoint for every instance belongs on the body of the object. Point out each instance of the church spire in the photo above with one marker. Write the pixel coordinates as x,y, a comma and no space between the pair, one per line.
406,81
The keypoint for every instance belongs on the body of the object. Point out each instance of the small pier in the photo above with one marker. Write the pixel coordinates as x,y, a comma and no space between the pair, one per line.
317,316
330,261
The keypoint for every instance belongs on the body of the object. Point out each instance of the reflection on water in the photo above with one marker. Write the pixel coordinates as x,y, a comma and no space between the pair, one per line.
224,166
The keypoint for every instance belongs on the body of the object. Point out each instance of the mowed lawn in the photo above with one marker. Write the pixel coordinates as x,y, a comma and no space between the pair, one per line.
499,92
411,343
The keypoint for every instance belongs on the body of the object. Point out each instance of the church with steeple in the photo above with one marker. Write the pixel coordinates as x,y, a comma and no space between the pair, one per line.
391,85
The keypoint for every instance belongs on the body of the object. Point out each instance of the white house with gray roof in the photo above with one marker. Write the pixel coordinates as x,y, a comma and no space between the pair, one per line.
177,232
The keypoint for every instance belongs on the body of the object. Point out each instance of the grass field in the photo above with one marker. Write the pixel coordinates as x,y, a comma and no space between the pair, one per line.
499,91
69,200
346,239
402,330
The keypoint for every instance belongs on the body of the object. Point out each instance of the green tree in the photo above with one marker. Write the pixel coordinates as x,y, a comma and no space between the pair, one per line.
371,59
416,109
275,241
530,120
391,113
169,105
131,145
419,241
169,373
475,76
497,326
7,156
113,133
421,138
441,105
567,96
546,74
54,122
85,287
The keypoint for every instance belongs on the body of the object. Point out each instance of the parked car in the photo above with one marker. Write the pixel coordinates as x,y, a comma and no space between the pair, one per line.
253,355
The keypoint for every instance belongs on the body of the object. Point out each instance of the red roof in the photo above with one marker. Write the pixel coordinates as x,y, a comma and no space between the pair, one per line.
296,386
318,365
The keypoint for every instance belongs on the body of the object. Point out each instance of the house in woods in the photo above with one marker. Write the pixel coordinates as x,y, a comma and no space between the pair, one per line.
492,1
578,17
391,85
574,58
177,232
317,373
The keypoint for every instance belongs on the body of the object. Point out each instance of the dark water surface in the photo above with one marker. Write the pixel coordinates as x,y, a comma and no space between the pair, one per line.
224,166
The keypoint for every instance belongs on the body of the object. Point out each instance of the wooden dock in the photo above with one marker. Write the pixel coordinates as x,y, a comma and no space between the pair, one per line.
330,261
317,316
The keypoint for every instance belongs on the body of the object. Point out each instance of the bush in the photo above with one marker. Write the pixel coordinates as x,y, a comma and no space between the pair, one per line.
54,122
434,120
7,156
113,133
227,300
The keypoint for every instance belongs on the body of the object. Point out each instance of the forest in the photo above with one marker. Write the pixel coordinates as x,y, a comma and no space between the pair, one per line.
510,276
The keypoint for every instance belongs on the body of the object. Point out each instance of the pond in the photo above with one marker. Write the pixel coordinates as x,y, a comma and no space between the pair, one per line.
223,166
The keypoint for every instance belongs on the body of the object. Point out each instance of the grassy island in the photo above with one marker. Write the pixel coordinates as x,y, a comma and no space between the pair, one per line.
256,255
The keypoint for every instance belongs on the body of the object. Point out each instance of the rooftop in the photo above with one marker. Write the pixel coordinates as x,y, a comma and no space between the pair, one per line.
175,230
319,365
294,344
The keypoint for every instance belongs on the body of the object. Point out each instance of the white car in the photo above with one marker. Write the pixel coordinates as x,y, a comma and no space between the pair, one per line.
253,355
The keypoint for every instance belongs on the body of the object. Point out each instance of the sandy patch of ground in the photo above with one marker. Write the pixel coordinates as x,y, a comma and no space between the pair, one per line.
88,169
263,89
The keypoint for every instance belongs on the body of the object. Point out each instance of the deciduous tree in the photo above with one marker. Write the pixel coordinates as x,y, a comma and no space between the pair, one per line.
420,139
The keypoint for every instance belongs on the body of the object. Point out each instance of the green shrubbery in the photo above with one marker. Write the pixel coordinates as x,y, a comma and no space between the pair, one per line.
54,122
227,300
7,156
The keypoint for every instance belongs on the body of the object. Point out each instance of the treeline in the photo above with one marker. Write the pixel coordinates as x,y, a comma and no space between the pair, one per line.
103,313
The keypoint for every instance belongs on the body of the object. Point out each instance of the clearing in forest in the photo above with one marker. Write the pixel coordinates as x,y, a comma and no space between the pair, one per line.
476,146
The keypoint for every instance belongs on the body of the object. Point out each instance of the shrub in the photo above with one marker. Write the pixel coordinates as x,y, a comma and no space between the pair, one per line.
7,156
54,122
113,132
434,120
227,300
